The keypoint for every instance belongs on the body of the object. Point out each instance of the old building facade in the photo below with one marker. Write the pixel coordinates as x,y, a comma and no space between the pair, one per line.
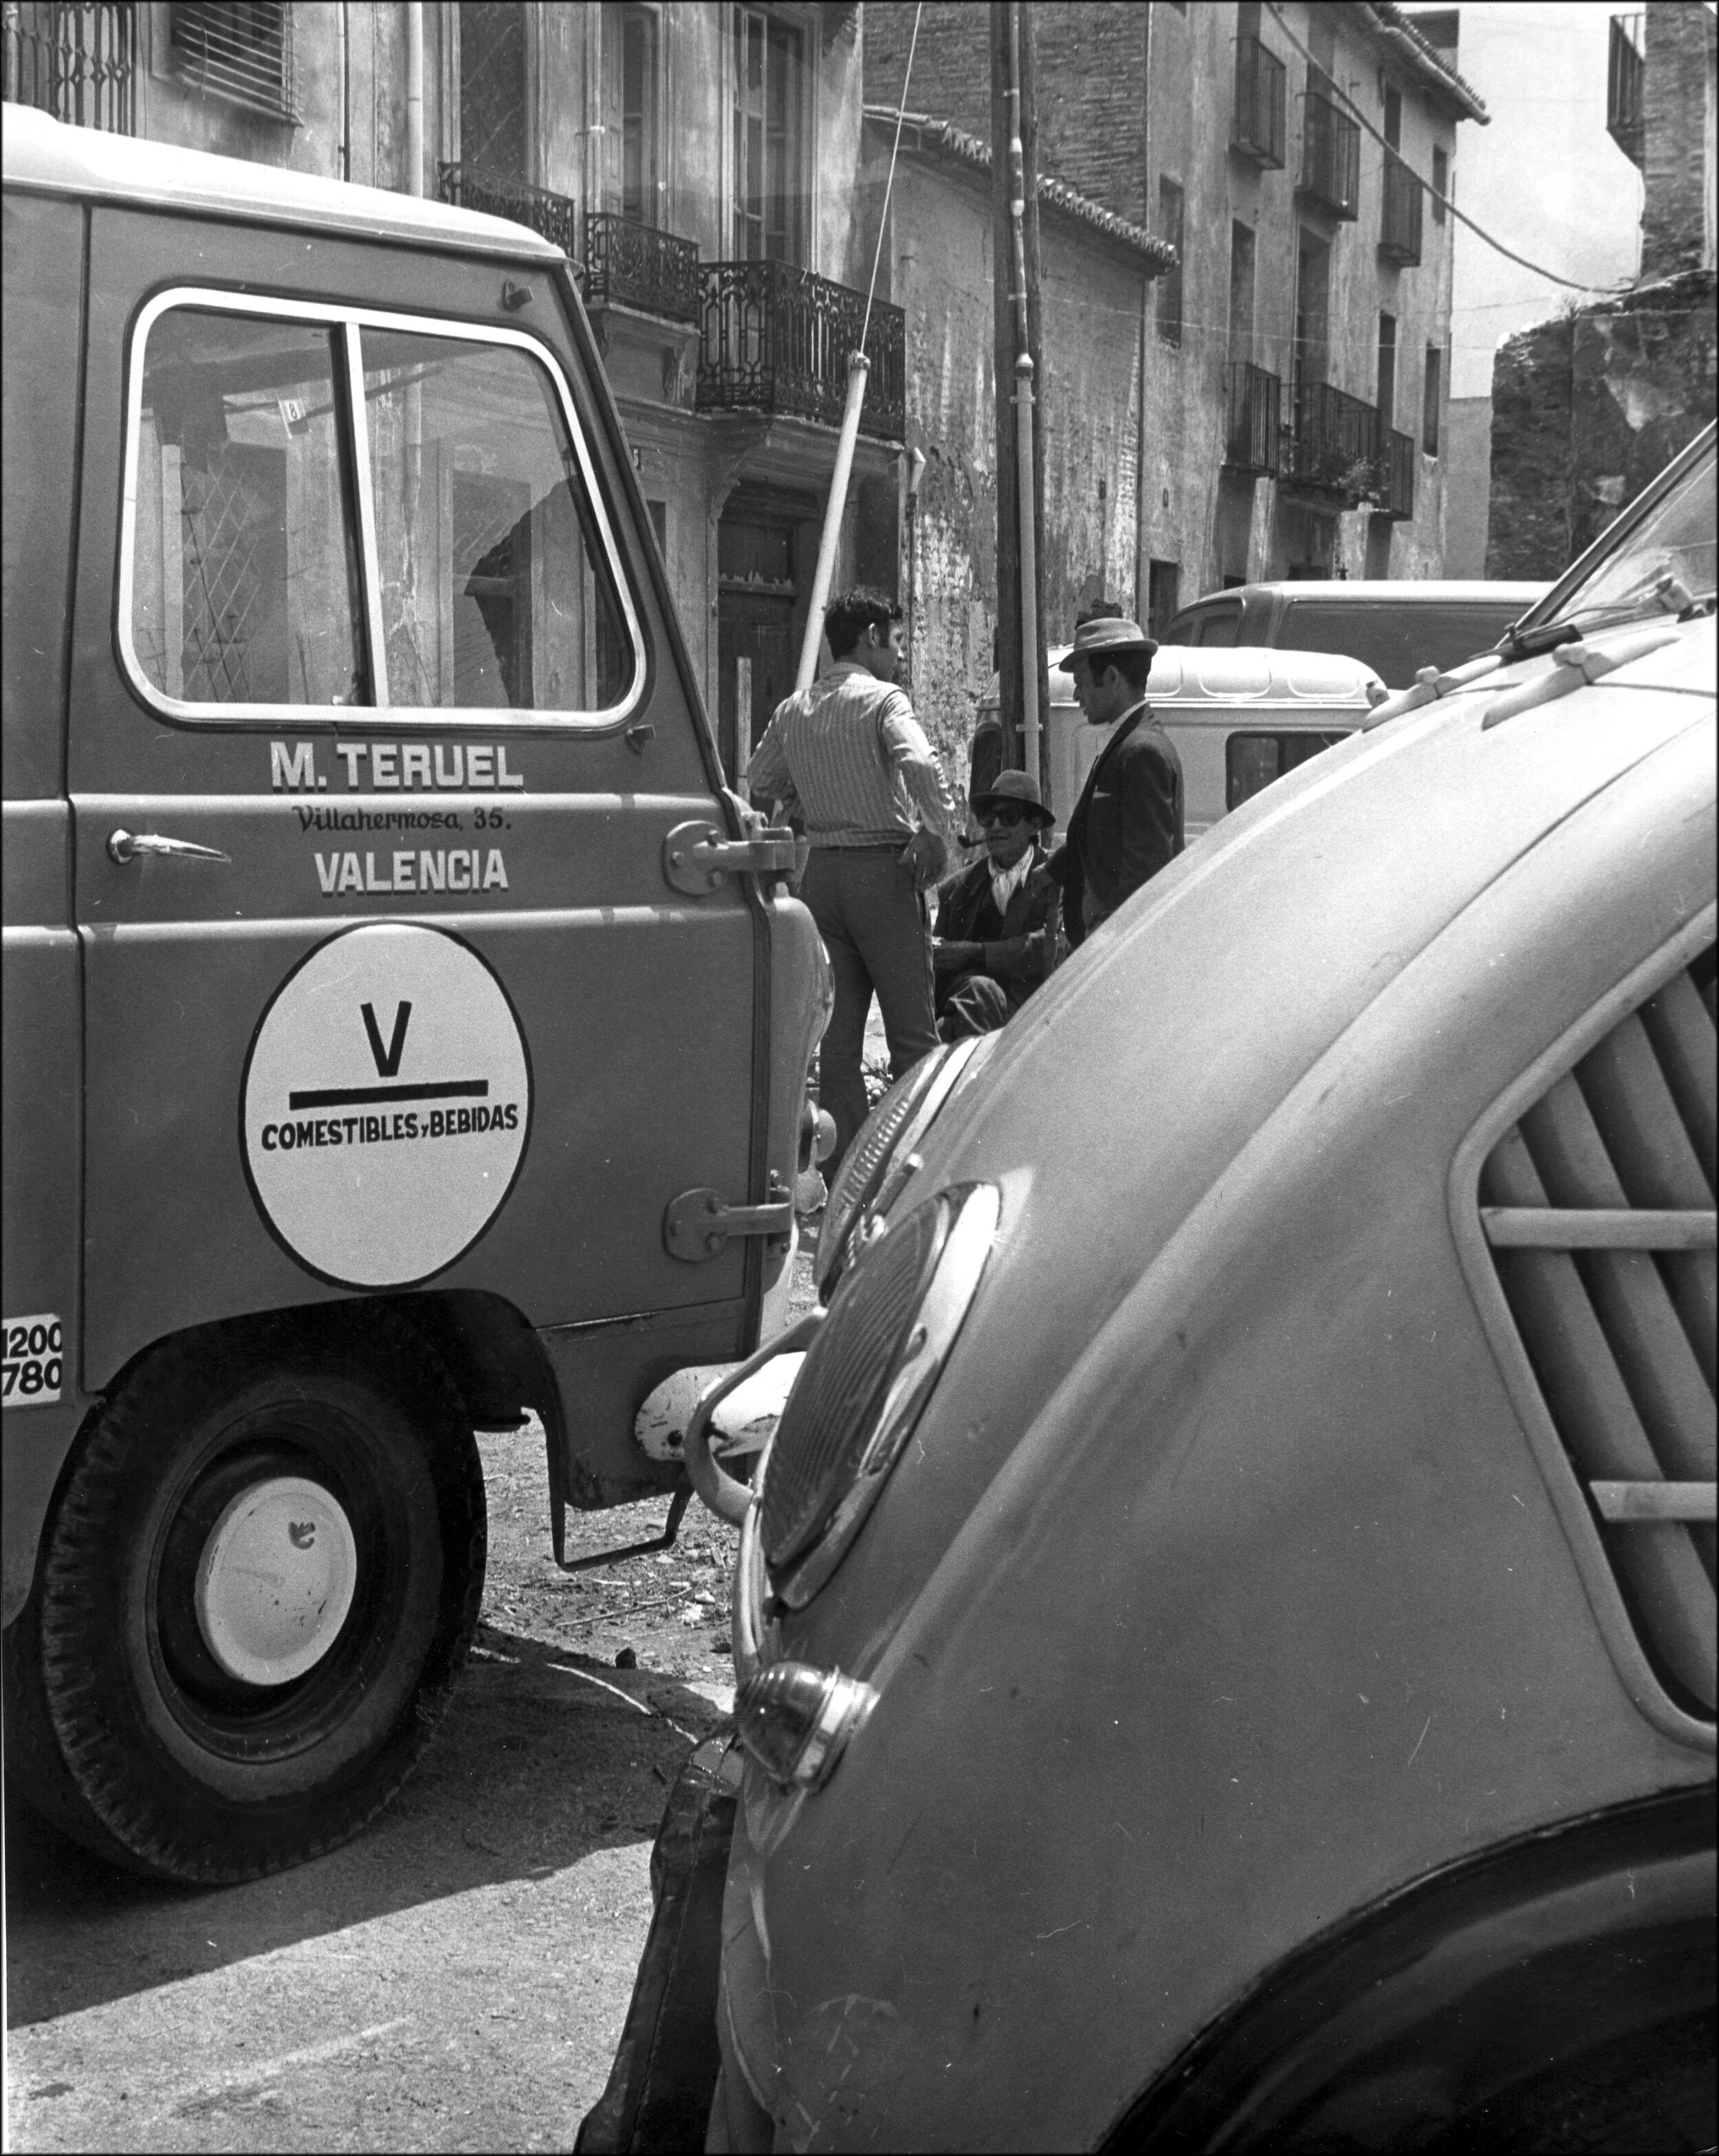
1294,369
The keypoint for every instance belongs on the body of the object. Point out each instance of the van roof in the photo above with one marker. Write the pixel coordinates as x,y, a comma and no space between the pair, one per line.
1244,673
43,154
1408,591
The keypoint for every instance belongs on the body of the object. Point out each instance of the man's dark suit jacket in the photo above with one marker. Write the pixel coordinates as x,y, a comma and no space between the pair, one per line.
1012,957
1125,827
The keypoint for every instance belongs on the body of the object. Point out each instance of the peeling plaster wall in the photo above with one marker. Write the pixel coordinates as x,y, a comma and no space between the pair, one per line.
1587,407
1089,293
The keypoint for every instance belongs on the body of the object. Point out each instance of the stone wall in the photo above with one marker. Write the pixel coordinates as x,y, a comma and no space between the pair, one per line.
1586,408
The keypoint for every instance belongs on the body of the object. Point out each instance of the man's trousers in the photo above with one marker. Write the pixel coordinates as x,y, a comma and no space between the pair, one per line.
874,926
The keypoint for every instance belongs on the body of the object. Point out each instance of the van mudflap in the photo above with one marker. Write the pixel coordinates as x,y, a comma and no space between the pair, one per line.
664,2078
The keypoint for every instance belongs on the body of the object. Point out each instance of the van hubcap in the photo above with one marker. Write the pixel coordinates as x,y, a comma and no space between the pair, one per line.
276,1580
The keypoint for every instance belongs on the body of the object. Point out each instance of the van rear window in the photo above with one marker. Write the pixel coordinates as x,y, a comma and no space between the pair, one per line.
1252,762
330,510
1395,641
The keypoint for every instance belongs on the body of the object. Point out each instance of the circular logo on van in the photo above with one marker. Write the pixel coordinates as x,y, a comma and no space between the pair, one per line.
385,1105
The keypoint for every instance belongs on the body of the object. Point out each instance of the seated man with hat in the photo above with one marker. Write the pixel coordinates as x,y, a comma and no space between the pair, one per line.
994,922
1128,822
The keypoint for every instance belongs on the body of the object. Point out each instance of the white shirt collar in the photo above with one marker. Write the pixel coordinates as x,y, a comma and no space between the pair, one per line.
1006,882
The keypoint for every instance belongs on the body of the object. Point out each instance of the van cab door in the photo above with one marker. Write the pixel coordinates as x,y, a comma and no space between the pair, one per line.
377,736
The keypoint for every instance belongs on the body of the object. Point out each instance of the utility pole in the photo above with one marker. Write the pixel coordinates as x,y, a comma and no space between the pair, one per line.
1018,375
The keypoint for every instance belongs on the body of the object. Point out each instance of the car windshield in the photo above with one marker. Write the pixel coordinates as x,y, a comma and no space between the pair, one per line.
1663,564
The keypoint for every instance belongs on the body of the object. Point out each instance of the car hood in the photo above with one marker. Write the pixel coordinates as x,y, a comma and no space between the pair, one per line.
1142,1082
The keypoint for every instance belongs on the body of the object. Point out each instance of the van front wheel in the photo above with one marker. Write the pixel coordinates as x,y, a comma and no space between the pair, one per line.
257,1587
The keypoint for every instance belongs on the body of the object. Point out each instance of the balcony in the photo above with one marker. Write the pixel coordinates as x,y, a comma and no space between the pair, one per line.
1399,230
1332,449
1251,439
470,186
75,62
1331,157
1626,72
777,339
1399,474
1257,130
630,264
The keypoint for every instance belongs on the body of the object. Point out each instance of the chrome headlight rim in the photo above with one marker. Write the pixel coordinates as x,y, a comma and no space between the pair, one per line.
861,1183
953,1270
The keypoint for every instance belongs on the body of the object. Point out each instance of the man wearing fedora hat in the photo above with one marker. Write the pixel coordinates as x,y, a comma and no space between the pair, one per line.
1128,824
996,926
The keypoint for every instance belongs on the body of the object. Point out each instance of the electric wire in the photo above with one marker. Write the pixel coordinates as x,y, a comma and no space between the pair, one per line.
1462,217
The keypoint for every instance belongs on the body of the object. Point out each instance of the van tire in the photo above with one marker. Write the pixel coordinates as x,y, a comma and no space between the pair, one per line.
139,1743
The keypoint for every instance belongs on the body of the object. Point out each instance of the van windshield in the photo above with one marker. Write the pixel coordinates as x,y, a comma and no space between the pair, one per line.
1395,639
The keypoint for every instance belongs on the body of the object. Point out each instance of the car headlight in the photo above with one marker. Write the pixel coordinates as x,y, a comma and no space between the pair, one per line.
865,1379
888,1134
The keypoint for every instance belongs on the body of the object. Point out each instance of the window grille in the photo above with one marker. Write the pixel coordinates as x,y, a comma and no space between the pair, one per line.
1170,217
492,88
241,50
76,62
1598,1205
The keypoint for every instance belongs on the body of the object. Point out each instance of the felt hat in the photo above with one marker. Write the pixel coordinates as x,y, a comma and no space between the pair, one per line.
1017,786
1099,641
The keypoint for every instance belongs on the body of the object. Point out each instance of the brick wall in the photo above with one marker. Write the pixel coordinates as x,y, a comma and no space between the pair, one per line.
1092,79
1680,65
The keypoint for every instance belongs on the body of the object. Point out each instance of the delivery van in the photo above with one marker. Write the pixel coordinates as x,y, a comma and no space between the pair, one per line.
1237,719
405,1029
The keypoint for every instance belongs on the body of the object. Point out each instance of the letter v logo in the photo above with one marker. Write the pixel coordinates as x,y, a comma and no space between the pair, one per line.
387,1059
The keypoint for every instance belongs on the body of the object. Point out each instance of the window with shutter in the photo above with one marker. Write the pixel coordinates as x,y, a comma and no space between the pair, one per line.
241,50
1596,1207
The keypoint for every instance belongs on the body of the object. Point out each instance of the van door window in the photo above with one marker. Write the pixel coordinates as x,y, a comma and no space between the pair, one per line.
1252,762
1218,627
329,508
494,592
245,571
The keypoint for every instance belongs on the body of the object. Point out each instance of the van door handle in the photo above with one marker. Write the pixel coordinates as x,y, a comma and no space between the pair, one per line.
123,846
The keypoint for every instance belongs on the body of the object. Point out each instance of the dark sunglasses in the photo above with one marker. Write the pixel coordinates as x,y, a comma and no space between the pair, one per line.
1005,814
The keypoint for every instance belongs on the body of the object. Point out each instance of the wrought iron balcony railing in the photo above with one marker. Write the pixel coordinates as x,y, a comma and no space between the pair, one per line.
1332,448
635,265
1399,233
1626,76
777,339
1257,131
1251,437
1399,477
470,186
76,62
1330,156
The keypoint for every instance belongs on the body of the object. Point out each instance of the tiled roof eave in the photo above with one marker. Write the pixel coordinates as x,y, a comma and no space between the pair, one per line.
1436,74
923,136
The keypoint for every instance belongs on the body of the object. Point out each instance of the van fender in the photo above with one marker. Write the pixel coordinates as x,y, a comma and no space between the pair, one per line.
1471,2000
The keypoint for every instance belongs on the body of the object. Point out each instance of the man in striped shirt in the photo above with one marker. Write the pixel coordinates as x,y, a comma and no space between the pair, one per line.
849,761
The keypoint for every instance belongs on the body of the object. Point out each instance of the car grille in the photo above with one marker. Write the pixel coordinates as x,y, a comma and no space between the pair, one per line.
1598,1205
832,1410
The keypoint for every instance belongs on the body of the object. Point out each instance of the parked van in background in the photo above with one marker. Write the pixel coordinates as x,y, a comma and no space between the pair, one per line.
404,1028
1395,627
1237,719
